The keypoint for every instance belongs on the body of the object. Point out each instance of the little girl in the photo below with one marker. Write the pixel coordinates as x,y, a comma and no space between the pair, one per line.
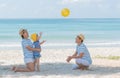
36,44
82,56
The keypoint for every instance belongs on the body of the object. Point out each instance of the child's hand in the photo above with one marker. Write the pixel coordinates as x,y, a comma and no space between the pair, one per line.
44,41
40,33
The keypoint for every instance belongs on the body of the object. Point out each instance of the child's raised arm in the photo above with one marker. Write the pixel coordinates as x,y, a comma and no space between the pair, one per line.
42,42
40,34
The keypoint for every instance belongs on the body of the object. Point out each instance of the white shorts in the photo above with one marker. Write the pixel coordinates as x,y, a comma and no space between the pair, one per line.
83,62
28,60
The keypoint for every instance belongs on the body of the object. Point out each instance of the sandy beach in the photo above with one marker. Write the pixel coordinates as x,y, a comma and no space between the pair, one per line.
54,65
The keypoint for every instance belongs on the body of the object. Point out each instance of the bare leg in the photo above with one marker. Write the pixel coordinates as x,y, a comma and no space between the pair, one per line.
14,67
37,64
82,67
85,67
29,68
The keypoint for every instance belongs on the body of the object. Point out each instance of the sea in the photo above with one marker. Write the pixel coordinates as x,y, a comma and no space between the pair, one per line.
61,33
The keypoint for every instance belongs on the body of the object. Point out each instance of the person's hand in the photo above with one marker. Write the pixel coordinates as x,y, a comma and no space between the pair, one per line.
40,33
69,59
44,41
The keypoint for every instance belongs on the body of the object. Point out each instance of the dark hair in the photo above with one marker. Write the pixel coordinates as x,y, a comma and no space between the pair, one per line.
80,38
22,36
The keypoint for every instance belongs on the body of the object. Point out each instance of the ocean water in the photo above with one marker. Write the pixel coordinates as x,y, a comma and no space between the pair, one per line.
61,33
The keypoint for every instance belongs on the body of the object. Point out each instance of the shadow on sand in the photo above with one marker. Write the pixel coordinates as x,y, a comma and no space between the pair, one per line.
48,69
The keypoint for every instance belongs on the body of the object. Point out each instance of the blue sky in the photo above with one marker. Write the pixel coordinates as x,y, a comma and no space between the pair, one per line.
52,8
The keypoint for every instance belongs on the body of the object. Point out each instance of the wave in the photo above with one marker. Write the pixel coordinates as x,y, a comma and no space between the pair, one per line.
63,44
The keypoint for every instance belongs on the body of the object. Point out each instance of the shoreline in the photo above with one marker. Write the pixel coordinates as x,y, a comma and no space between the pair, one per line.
2,48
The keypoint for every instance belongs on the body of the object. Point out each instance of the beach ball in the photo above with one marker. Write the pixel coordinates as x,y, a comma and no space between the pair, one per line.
65,12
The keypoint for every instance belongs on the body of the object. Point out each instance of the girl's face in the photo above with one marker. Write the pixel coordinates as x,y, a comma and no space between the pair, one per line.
78,40
25,34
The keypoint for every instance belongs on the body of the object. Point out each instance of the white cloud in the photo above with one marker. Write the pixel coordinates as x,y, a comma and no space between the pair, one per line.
81,1
51,9
101,4
6,6
3,5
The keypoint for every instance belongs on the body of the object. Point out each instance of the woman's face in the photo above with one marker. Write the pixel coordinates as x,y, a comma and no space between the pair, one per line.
25,34
37,37
78,40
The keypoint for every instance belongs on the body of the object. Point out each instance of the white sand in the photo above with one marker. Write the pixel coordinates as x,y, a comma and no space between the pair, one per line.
53,64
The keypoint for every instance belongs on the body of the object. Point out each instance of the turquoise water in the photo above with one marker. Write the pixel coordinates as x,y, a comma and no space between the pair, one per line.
62,32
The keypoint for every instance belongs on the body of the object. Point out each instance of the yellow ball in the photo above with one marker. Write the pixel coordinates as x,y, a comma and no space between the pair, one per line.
65,12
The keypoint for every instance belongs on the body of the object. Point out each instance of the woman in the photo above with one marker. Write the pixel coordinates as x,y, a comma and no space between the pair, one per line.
82,56
28,53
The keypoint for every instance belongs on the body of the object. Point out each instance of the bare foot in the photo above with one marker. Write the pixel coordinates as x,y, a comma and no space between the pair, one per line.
14,67
84,67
